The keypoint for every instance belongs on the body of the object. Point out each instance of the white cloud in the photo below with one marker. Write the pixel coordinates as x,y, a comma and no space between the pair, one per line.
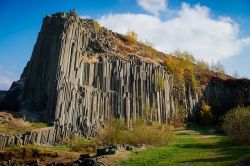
192,29
153,6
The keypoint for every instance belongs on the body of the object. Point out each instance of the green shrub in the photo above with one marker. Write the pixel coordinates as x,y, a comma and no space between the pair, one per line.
141,133
237,124
206,115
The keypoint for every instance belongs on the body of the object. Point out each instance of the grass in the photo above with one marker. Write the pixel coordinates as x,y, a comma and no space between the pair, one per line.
195,146
46,154
116,132
22,128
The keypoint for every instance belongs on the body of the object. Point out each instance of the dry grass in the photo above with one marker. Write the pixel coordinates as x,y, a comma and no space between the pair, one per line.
23,154
11,123
81,144
125,48
131,36
116,133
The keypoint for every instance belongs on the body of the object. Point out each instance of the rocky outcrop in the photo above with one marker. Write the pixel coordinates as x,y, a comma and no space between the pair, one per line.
11,99
77,79
44,136
222,95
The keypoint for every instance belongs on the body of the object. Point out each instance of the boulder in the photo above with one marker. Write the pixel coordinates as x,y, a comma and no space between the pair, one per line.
106,151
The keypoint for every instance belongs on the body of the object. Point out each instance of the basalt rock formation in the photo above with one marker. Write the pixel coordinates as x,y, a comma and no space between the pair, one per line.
77,78
223,95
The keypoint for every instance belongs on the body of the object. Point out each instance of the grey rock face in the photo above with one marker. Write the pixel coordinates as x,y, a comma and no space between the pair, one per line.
44,136
11,99
224,95
77,80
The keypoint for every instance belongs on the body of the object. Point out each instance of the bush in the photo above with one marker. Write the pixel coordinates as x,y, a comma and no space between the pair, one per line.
206,115
131,36
113,133
237,124
116,133
97,26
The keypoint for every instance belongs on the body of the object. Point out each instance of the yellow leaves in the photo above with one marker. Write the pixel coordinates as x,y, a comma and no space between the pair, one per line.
97,26
206,115
183,67
205,107
131,36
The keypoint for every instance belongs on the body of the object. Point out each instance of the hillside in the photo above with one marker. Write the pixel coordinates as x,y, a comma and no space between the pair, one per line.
81,75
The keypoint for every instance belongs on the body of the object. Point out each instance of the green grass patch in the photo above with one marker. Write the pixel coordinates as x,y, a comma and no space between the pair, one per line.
193,146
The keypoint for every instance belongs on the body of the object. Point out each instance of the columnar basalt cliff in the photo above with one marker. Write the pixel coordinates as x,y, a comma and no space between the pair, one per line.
77,78
222,95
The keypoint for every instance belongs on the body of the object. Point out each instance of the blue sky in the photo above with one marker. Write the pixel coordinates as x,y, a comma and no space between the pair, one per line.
219,30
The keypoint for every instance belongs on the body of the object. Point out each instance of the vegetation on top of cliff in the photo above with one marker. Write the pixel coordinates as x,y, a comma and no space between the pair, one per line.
97,26
131,36
185,68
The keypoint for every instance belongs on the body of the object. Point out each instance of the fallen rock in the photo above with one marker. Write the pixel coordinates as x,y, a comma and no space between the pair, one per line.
106,151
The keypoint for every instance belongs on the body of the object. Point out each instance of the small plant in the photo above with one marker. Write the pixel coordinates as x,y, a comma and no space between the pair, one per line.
237,124
180,117
206,115
97,26
131,36
159,82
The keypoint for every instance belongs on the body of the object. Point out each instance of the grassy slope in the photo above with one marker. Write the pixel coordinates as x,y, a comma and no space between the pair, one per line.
197,146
